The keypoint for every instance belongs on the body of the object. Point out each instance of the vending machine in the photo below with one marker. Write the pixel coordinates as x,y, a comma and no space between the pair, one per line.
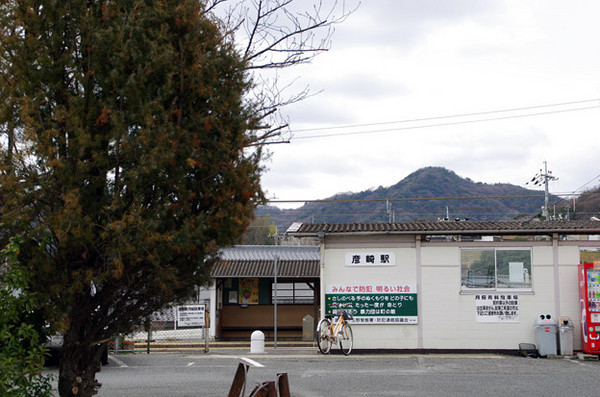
589,302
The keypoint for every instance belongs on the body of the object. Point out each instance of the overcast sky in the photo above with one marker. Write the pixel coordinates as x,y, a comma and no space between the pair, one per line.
393,61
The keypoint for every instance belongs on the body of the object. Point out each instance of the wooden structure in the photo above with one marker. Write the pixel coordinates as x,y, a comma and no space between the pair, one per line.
245,290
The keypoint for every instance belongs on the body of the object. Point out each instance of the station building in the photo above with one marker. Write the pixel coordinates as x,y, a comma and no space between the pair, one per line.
251,280
450,285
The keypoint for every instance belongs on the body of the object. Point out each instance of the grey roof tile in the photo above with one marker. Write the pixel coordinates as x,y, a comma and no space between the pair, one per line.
258,261
451,227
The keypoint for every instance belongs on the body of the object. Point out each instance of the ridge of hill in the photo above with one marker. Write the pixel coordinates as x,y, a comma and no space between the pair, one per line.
587,205
427,194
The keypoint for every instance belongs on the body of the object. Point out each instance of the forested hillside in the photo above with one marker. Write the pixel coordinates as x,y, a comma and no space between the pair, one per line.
586,205
428,194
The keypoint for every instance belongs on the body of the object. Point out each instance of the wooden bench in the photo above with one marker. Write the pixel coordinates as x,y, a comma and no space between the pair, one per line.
239,322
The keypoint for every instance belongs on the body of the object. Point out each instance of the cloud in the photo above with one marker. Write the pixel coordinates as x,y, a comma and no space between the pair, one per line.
403,60
401,24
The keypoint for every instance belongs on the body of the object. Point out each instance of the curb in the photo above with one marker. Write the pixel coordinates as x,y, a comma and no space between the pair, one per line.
175,345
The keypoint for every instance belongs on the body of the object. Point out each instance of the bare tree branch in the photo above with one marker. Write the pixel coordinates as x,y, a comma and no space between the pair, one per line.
212,4
274,35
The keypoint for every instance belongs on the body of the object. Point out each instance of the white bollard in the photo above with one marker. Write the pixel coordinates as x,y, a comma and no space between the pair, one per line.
257,342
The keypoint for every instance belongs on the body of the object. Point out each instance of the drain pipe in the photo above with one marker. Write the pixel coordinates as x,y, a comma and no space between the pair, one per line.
275,260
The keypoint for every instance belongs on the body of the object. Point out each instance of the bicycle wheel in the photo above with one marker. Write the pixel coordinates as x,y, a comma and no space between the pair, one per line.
347,340
323,336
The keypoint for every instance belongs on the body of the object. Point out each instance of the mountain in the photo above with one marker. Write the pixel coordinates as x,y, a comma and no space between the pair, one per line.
428,194
586,205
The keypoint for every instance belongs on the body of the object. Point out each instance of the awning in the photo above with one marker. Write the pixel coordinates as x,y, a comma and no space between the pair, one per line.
258,261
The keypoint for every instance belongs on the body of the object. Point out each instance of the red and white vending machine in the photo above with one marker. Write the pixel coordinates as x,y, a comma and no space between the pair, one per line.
589,303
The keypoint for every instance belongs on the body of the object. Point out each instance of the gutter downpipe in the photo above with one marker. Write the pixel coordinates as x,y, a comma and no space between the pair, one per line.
419,293
556,275
275,260
321,236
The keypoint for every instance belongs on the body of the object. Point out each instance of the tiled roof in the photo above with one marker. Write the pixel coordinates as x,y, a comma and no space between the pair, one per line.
268,252
449,228
258,261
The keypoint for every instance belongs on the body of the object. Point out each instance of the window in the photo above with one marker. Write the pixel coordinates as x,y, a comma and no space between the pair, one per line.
495,268
293,293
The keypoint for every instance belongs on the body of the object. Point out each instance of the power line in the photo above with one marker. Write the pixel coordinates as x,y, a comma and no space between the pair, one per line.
587,183
329,135
424,211
488,211
569,195
333,200
522,209
449,116
342,200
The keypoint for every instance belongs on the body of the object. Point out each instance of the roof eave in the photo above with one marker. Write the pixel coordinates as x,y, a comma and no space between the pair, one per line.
450,232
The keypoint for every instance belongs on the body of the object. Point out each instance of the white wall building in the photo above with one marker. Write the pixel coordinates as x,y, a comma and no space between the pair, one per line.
450,285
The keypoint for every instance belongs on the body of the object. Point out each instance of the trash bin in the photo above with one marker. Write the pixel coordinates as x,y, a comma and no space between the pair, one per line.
565,336
546,335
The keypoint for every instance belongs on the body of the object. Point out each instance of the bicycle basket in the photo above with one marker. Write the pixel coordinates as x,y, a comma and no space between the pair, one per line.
347,316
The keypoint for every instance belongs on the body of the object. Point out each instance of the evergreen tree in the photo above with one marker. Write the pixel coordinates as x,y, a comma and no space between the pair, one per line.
22,331
129,157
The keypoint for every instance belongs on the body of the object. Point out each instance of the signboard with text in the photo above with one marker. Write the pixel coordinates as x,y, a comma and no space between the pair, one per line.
374,303
371,258
497,308
190,316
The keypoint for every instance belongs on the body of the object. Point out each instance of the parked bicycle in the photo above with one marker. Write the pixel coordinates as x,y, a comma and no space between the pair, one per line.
330,331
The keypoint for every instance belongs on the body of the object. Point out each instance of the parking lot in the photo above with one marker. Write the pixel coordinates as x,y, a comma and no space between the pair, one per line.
196,373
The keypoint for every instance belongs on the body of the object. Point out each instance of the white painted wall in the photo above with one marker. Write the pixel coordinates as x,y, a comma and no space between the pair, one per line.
404,271
448,315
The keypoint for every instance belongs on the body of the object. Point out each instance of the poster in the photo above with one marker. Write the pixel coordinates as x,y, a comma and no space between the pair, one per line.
233,297
497,308
248,291
374,303
516,272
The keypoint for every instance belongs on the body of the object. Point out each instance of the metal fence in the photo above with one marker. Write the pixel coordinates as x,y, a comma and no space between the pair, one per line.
182,326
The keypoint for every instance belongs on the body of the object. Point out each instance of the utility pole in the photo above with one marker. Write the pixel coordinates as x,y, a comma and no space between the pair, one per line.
543,177
389,211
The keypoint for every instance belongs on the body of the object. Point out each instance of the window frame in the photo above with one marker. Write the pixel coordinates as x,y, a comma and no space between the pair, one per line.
295,299
527,275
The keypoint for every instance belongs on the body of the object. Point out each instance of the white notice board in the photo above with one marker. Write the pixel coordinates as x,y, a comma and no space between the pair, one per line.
190,315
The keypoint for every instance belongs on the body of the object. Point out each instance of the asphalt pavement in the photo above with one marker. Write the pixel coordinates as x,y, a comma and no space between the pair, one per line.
193,372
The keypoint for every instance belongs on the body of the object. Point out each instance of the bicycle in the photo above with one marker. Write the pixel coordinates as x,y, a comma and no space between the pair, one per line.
328,334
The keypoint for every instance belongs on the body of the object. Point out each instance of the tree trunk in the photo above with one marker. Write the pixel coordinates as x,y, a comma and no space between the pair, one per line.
78,365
